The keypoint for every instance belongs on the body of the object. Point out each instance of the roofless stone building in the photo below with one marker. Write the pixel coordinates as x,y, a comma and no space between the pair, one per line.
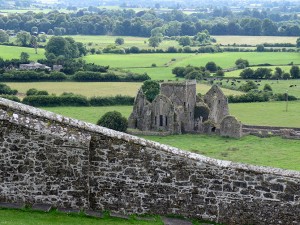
178,109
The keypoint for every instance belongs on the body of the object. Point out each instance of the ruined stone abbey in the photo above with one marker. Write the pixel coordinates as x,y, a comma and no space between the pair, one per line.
178,109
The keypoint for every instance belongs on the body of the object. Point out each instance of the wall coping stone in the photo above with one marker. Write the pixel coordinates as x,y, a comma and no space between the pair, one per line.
140,141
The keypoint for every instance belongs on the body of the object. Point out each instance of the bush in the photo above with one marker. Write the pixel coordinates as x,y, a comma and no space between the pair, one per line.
32,76
250,85
107,101
113,120
6,90
134,49
267,87
11,97
34,91
53,100
97,76
241,63
211,66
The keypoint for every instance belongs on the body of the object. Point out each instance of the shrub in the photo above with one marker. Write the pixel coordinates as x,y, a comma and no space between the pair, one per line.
134,49
211,66
11,97
106,101
113,120
241,63
220,73
267,87
250,85
53,100
6,90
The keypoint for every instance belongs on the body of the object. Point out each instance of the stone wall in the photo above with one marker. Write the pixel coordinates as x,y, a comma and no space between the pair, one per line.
268,131
53,159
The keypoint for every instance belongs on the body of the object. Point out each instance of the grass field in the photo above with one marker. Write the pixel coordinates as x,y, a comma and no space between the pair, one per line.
274,151
280,86
26,217
14,52
142,62
101,41
252,40
266,113
90,89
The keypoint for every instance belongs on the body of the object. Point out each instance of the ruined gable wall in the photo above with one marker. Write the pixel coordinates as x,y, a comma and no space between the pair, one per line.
122,173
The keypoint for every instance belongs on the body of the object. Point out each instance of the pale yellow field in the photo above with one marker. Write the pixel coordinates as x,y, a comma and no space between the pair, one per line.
253,40
90,89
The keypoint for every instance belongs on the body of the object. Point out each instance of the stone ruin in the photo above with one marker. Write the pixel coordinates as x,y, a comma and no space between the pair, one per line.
178,109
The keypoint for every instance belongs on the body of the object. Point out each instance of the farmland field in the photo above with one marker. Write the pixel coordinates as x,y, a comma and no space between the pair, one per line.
90,89
253,40
14,52
292,87
268,113
142,42
102,41
166,62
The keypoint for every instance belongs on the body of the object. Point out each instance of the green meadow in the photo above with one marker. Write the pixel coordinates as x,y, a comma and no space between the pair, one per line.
165,62
27,217
90,89
101,41
292,87
14,52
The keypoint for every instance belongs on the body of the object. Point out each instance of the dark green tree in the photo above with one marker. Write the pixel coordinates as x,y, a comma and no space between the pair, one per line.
119,41
151,89
211,66
24,57
298,43
260,48
295,72
247,73
113,120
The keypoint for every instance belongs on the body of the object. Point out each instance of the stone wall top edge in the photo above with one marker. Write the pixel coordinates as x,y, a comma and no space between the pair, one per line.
268,127
146,143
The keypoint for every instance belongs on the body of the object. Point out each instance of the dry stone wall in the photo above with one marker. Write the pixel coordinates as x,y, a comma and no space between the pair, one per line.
52,159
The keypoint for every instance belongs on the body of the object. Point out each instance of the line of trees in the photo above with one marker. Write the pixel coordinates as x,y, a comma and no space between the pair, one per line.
173,23
266,73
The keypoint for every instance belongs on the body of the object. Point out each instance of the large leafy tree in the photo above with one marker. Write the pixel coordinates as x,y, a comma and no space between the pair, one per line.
151,89
3,36
295,72
65,47
23,38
